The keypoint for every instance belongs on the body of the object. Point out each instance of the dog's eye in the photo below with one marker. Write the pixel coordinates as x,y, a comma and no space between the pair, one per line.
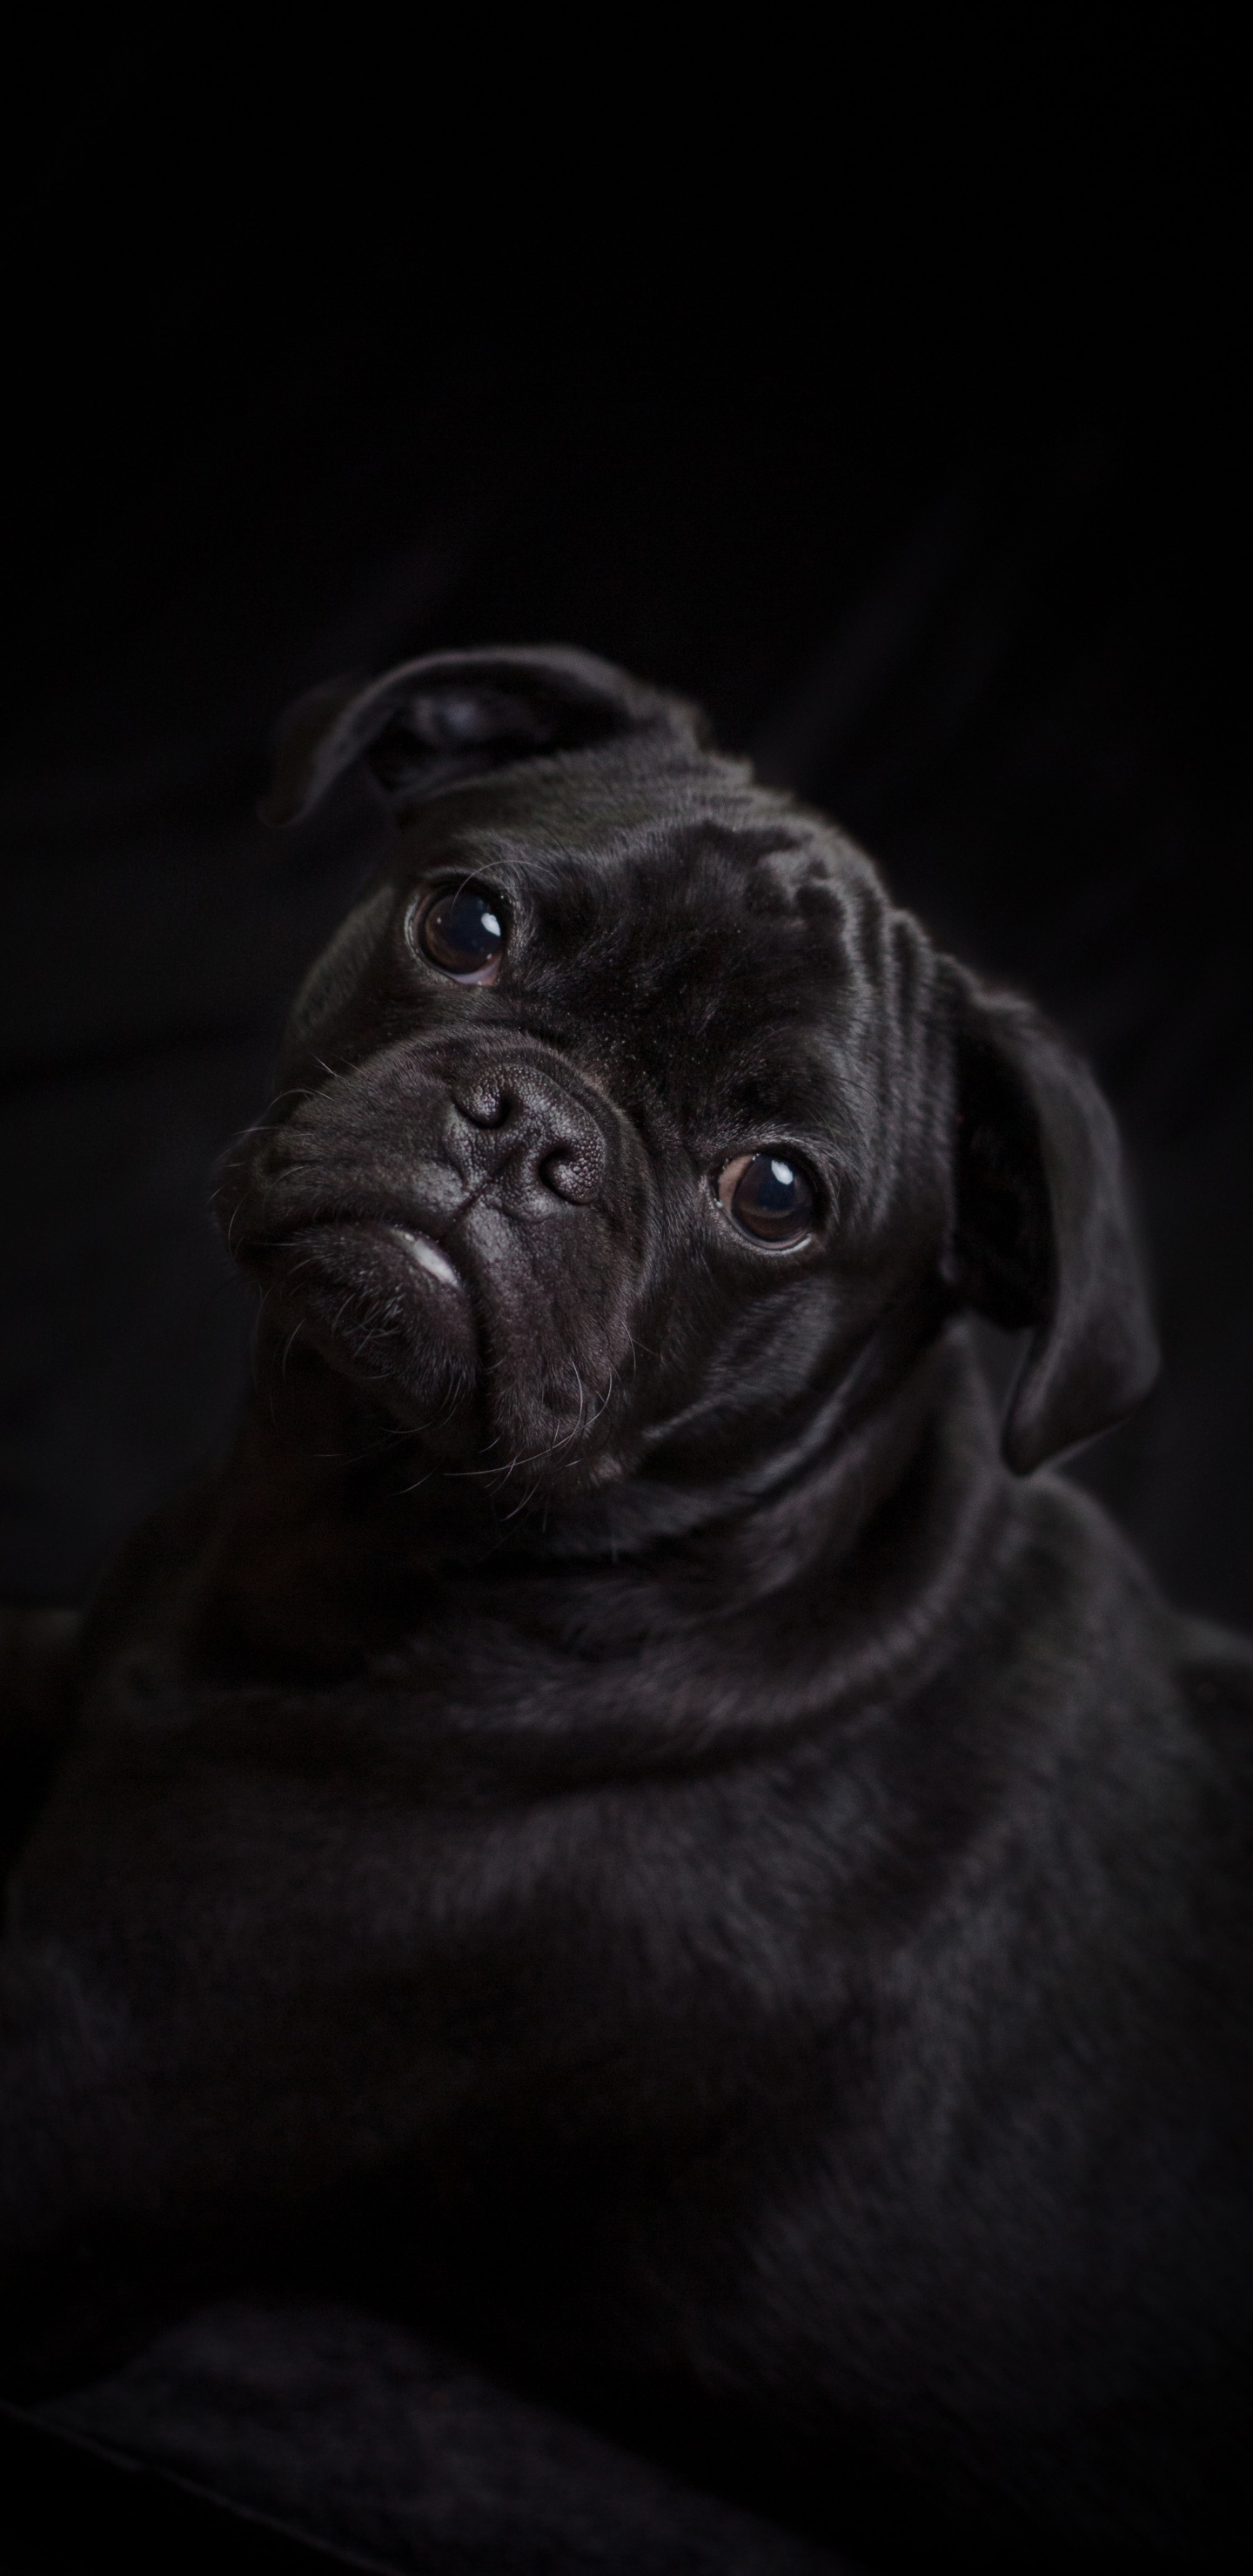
463,932
768,1196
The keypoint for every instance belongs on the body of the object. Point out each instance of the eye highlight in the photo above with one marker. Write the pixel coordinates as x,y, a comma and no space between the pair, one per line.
769,1198
462,931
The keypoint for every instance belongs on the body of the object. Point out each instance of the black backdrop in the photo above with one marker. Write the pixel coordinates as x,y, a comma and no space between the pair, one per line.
890,408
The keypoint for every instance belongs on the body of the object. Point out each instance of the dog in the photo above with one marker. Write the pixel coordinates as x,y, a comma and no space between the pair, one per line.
628,1815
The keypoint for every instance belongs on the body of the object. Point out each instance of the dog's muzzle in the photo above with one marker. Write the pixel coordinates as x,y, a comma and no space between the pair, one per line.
452,1220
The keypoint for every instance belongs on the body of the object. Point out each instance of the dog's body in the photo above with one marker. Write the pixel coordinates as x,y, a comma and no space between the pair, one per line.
617,1811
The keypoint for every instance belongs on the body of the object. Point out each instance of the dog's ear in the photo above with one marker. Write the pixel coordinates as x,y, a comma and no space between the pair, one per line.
429,724
1043,1233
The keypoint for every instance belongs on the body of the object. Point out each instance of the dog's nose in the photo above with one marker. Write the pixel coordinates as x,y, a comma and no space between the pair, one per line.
525,1125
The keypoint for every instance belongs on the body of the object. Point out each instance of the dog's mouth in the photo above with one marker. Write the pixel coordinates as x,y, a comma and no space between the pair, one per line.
420,1250
457,1268
379,1298
308,1240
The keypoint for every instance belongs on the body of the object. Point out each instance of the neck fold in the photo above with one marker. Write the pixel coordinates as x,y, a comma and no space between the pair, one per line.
825,1583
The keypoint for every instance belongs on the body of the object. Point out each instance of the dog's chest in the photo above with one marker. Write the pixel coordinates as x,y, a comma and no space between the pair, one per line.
446,1926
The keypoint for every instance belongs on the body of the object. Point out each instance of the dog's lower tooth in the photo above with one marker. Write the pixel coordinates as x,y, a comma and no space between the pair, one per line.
429,1257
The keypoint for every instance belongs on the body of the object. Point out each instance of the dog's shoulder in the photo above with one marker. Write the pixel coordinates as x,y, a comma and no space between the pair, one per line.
1213,1673
1215,1670
1118,1734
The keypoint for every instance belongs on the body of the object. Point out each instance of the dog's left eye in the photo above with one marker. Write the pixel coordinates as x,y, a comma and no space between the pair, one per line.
462,931
768,1197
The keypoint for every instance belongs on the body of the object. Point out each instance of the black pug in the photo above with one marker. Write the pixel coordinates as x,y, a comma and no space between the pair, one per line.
625,1818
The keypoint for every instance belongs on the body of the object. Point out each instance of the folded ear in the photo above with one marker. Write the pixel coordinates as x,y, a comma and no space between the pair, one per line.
429,724
1043,1234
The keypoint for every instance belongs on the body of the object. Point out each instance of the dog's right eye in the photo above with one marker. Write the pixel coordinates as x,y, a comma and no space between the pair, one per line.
770,1198
462,931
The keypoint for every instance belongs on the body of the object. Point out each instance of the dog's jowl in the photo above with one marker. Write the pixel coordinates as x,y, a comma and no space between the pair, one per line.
628,1818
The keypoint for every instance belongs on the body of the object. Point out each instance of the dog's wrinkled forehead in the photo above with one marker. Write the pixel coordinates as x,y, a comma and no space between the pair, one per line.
675,927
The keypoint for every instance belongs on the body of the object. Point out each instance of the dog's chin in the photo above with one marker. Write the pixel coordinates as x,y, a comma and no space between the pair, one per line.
384,1307
453,1356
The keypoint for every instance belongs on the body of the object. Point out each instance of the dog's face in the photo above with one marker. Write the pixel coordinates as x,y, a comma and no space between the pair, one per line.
624,1107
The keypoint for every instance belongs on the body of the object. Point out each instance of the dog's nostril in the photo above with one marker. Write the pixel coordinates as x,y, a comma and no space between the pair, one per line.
571,1173
486,1104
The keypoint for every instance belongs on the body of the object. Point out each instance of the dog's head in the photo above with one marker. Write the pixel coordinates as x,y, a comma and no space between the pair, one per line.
625,1112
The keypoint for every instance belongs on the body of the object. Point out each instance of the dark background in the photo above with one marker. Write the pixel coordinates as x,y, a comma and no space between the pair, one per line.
886,392
890,405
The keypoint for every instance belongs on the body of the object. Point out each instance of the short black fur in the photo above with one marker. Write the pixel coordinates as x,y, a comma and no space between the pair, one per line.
621,1821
